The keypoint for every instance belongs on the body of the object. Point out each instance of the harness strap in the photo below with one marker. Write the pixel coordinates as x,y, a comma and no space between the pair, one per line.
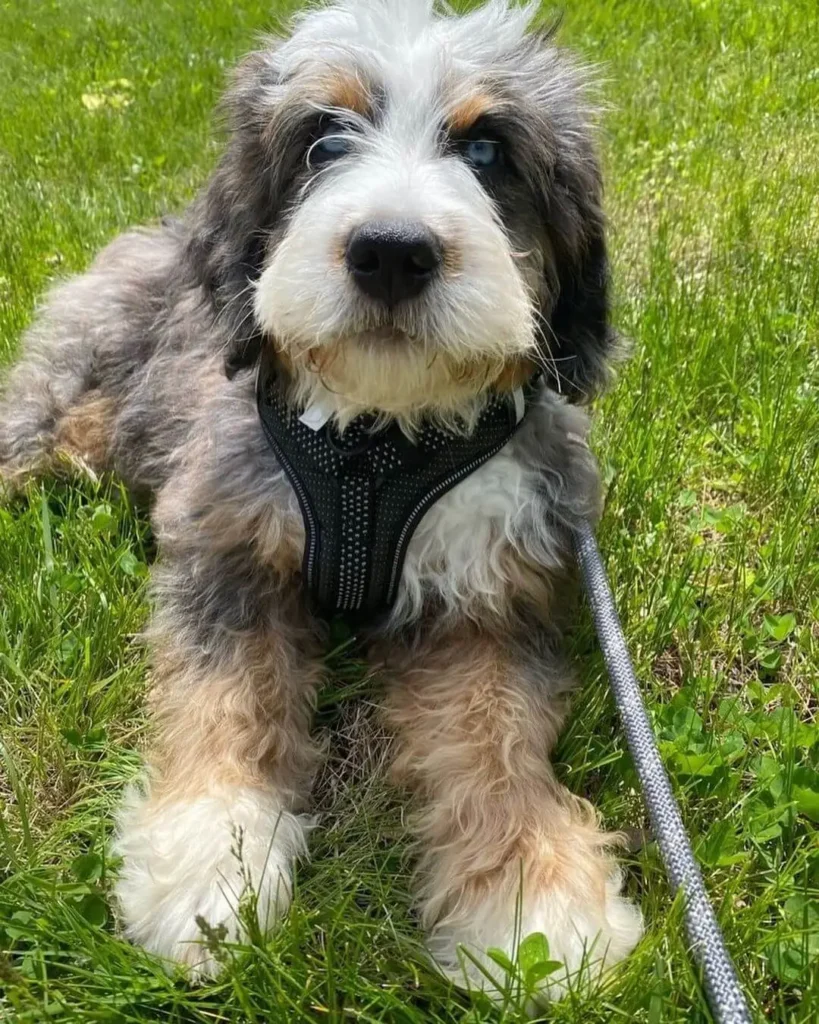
363,492
722,988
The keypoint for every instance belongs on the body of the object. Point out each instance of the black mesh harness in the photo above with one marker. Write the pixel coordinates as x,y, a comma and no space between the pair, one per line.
363,492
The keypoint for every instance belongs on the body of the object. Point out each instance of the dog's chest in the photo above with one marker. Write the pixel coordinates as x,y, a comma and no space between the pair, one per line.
459,551
497,531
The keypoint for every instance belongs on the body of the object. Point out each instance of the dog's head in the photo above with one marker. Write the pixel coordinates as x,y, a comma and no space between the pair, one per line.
408,210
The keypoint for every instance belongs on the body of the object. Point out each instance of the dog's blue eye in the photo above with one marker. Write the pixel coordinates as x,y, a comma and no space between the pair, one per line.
483,153
329,147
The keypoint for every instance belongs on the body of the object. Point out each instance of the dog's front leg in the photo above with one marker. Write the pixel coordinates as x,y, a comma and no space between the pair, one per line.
505,850
230,764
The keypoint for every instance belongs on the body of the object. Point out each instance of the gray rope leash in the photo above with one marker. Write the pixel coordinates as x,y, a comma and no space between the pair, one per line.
722,986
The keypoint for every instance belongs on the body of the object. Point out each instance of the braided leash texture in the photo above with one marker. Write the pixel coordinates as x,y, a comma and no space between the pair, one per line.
722,988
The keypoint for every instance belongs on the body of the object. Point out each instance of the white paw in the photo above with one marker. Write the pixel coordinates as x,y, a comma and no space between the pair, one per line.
586,936
197,859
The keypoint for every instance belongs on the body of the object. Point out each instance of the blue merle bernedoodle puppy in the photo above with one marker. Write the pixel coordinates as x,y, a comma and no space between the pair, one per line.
349,379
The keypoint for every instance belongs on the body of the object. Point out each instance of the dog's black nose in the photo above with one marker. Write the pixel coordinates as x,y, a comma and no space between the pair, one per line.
393,261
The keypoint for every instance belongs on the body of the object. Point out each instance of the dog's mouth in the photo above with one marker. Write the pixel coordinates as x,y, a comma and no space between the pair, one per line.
387,334
376,340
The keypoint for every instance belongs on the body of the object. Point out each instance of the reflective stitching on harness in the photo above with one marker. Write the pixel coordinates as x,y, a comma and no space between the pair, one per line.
362,493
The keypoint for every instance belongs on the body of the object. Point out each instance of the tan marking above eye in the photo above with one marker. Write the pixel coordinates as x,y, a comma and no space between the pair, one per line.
348,92
469,111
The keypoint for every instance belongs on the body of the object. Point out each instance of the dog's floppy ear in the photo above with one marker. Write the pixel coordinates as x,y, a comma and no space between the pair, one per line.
230,220
242,353
578,340
578,343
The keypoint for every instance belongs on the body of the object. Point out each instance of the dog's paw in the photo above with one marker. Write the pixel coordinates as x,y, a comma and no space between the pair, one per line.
585,935
190,862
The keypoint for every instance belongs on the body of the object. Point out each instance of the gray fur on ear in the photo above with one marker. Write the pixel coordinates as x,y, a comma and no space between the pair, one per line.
551,207
577,335
231,221
578,340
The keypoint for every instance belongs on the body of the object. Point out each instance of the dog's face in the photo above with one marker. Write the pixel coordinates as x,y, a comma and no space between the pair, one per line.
409,210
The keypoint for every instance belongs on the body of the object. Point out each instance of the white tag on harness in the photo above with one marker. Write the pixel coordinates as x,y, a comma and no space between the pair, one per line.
316,414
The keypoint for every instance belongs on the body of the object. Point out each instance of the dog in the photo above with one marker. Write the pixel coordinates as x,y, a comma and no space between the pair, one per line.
406,229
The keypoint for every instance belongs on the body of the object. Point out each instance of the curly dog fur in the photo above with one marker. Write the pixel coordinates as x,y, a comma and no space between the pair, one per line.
477,128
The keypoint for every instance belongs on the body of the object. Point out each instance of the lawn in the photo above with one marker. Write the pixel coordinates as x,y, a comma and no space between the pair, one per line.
710,446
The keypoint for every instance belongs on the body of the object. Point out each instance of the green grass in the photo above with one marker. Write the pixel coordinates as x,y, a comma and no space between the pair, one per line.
710,445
